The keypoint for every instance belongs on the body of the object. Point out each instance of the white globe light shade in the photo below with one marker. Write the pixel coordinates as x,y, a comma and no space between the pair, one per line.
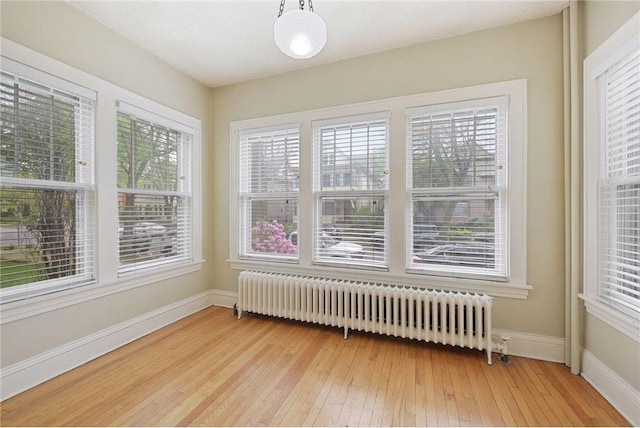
300,33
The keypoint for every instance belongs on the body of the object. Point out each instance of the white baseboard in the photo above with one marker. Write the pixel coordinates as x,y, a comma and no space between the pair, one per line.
538,347
35,370
622,396
226,299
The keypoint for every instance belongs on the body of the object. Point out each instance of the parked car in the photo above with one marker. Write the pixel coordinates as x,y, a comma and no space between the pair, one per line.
425,236
150,237
331,247
461,254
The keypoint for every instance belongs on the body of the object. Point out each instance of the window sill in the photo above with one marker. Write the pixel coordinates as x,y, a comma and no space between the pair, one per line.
494,289
624,323
50,302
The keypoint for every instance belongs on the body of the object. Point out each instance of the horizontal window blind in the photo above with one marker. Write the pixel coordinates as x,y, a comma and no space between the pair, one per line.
619,190
351,183
457,184
154,194
269,164
46,200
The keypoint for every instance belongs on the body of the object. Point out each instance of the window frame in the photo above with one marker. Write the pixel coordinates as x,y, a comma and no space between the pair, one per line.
83,186
105,200
514,287
183,190
244,198
625,40
337,180
500,188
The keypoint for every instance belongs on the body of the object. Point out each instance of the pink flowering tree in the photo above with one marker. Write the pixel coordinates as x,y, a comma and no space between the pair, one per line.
270,237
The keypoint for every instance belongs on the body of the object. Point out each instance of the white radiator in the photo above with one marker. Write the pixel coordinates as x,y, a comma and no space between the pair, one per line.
451,318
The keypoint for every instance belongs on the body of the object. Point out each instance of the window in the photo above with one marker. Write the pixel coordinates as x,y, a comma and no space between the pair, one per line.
73,229
457,185
612,179
47,193
269,168
426,190
154,190
358,148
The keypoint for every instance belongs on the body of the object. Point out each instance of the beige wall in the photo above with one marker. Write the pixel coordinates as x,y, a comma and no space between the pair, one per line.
620,353
63,33
600,19
531,50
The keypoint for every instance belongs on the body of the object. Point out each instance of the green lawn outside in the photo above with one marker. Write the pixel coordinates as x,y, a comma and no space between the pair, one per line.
16,272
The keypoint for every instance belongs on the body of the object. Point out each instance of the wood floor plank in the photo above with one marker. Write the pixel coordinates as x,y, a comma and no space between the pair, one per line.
300,404
212,369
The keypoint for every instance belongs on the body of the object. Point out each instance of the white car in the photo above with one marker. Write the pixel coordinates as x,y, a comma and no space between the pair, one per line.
150,237
331,247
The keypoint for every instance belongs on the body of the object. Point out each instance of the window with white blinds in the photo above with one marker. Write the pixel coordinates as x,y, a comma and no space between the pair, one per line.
47,216
457,185
269,164
619,183
154,190
350,191
427,190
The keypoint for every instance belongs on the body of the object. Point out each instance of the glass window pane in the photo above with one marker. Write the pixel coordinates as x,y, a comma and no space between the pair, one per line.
152,227
272,229
354,156
351,179
444,235
38,236
268,184
147,155
46,200
270,162
351,230
38,133
455,149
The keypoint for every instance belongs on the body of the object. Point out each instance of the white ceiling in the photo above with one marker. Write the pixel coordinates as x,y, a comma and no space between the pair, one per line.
224,42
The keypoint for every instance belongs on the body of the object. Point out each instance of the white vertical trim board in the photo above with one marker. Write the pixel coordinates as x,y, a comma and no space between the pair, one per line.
38,369
622,396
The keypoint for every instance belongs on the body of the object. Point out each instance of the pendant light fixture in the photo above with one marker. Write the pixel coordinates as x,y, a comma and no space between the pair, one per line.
299,33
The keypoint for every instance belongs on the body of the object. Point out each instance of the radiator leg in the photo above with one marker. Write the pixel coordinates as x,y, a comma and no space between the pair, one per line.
346,331
489,356
237,311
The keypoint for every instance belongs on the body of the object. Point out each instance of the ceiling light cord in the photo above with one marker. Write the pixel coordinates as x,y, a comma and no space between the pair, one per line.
281,8
301,6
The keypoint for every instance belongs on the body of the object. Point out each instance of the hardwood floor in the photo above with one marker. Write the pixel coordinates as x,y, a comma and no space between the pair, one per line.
212,369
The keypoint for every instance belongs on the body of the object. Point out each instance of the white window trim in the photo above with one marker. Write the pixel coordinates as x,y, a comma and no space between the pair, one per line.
107,281
515,287
625,38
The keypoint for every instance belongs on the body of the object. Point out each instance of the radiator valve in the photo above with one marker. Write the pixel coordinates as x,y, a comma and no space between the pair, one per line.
504,350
